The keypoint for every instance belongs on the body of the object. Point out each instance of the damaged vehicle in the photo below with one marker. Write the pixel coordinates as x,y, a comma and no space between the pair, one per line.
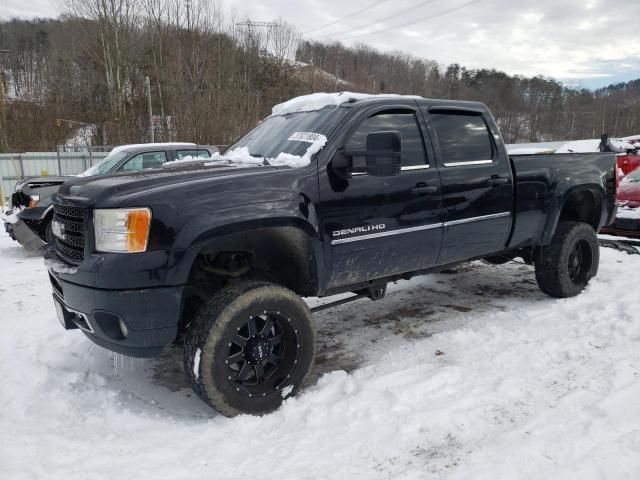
28,220
331,194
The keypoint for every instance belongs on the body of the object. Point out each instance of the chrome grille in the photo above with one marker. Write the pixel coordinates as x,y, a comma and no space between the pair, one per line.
70,246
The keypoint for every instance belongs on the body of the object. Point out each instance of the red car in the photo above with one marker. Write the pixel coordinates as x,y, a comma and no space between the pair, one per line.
628,163
627,222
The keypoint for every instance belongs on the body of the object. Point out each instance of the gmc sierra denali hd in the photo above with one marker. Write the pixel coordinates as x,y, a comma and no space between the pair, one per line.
332,193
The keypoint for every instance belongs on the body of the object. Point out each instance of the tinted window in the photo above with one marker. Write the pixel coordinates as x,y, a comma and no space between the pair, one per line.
462,137
181,154
145,160
404,123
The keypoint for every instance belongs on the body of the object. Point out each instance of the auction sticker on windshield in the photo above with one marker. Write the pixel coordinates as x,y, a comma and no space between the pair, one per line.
308,137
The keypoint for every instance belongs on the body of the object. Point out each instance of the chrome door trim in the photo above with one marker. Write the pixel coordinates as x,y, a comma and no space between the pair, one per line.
400,231
477,219
460,164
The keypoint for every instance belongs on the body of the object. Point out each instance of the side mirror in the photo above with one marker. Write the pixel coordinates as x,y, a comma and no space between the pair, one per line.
381,158
384,154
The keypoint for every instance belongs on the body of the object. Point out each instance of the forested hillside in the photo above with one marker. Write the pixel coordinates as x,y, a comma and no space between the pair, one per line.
212,79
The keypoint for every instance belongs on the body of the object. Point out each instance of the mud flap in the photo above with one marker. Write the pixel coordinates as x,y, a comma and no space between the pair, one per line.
26,237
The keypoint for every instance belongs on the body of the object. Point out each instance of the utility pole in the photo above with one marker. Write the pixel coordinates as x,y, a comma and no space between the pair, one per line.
147,84
4,143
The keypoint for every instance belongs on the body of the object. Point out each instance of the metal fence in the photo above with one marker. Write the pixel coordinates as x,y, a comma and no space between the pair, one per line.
16,166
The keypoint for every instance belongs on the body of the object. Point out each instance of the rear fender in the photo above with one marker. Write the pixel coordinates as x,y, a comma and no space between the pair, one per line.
583,203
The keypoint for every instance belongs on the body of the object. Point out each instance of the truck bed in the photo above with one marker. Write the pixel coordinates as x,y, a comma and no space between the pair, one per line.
542,181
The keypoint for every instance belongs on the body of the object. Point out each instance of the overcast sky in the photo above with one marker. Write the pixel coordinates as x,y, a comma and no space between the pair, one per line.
588,43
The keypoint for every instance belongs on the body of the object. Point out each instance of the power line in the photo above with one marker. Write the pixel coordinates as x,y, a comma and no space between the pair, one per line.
413,22
401,12
348,16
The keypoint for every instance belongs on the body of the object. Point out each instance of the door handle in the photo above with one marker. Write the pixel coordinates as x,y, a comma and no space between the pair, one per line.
423,189
497,180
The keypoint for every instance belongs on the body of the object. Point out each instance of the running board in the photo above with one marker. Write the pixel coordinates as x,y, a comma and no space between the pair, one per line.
373,293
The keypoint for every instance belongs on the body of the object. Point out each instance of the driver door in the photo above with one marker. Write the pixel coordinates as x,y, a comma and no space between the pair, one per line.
373,227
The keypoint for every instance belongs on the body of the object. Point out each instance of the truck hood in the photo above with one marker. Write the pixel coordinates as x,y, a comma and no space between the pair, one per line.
39,182
120,189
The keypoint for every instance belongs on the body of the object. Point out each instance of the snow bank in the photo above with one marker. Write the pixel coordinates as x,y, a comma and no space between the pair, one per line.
11,217
524,387
316,101
590,146
628,212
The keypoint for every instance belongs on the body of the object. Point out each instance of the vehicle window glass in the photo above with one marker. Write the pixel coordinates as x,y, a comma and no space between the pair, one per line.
106,165
403,122
181,154
633,177
462,137
145,160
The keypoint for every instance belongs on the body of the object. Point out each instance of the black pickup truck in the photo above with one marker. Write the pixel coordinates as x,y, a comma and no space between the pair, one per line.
333,193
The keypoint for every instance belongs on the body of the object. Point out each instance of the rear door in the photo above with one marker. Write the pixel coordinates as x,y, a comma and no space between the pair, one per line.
477,185
377,226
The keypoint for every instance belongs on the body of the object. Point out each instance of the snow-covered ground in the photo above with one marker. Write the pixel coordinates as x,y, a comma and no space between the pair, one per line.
472,374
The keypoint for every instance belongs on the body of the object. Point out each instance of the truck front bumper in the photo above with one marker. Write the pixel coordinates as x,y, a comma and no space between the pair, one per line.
137,323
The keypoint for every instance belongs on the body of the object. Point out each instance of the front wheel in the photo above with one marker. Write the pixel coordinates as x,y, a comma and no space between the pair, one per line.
565,266
251,346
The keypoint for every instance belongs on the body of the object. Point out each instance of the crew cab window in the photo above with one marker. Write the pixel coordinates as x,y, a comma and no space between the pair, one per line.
181,154
403,122
463,137
145,160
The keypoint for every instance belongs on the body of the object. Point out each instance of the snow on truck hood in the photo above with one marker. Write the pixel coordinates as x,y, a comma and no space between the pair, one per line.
316,101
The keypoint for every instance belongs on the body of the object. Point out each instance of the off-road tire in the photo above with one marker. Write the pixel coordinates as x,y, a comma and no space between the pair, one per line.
555,263
207,346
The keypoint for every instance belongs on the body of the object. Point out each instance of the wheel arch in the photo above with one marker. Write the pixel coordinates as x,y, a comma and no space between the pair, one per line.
284,250
581,203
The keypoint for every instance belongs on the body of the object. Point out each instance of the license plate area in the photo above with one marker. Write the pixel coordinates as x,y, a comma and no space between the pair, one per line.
64,315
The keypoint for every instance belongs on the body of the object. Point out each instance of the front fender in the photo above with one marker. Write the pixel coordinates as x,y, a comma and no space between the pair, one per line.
206,228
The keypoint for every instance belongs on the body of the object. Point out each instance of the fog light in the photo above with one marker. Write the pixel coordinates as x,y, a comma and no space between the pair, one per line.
123,329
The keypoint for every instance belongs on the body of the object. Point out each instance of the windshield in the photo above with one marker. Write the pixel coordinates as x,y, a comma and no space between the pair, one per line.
287,134
633,177
105,165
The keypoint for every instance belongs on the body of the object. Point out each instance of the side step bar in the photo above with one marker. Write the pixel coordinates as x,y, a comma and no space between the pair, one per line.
373,293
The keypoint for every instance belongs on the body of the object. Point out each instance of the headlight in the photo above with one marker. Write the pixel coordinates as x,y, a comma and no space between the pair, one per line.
33,201
121,229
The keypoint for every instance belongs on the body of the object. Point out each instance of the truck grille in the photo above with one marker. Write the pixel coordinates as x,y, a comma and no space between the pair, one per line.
71,246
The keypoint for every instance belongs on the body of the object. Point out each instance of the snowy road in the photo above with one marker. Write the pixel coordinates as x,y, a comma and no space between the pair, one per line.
525,386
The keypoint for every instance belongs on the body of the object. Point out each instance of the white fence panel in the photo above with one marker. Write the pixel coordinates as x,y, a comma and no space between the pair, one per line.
16,166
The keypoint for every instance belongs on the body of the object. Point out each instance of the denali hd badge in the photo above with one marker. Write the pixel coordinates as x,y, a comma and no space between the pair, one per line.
363,229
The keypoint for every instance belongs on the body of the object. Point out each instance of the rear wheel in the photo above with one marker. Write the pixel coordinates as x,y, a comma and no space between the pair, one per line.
251,346
564,267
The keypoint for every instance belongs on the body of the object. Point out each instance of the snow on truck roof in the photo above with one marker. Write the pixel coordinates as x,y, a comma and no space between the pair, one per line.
316,101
